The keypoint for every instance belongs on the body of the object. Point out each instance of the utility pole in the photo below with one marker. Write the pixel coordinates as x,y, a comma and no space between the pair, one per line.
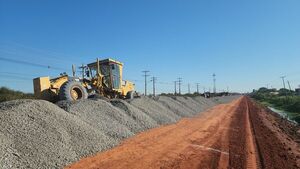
286,97
289,85
179,85
175,87
204,89
153,79
227,89
189,89
73,70
197,88
145,76
267,86
282,77
214,79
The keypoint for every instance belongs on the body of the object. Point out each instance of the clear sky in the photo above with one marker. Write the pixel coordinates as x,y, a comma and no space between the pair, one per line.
247,44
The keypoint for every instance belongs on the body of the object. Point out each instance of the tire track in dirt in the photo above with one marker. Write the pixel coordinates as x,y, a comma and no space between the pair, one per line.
252,155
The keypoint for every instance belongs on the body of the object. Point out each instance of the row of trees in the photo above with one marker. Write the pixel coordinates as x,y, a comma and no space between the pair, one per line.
7,94
280,92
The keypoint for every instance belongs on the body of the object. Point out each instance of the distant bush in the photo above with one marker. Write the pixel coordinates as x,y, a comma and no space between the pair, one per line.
294,105
7,94
285,100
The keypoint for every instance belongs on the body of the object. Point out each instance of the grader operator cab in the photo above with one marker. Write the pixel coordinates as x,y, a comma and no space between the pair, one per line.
102,78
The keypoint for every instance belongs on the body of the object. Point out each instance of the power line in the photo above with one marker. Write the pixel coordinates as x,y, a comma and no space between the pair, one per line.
30,63
15,80
42,53
19,74
145,76
165,83
15,77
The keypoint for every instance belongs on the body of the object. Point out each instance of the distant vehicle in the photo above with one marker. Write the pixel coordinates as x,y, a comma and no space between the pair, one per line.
102,78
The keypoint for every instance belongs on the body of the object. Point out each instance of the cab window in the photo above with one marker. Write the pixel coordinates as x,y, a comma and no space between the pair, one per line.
116,80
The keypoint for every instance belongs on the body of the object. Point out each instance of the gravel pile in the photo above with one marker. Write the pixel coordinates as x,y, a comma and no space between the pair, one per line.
143,120
191,103
156,110
175,106
205,103
105,117
39,134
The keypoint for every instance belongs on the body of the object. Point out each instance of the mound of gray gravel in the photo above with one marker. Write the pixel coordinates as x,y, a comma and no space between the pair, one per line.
39,134
105,117
191,103
175,106
205,103
156,110
144,120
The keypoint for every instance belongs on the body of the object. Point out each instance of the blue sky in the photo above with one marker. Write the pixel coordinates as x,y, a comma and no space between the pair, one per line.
247,44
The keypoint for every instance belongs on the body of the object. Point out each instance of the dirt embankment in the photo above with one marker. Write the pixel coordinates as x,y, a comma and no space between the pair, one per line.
235,135
276,138
39,134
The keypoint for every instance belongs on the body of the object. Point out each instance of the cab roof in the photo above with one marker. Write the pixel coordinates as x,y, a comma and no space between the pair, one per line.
109,60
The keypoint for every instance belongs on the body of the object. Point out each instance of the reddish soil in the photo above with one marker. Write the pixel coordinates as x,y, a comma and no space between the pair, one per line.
236,135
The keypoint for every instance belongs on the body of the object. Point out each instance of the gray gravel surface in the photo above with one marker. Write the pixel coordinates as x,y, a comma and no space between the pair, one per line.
144,121
105,117
39,134
205,103
191,103
175,106
156,110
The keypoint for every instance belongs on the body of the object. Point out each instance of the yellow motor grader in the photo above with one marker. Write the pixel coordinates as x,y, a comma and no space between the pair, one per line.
103,77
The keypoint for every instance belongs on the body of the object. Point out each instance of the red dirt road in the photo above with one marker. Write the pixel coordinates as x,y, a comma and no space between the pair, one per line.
226,136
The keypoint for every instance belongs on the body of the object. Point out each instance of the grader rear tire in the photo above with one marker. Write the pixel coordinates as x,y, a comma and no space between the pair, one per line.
72,91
